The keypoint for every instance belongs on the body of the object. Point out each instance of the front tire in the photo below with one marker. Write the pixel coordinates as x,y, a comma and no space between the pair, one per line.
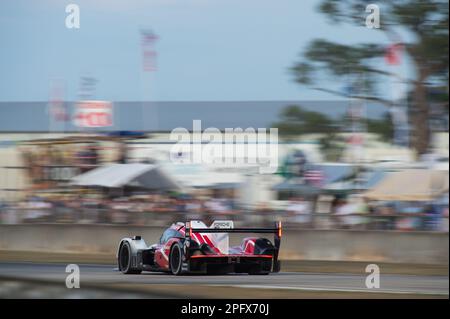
176,259
124,260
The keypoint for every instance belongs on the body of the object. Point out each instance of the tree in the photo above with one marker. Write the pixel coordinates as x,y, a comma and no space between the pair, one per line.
296,121
427,23
383,127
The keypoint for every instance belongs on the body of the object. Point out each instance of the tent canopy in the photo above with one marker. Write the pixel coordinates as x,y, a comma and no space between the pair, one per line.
336,179
335,173
198,176
296,186
367,181
373,178
134,174
410,185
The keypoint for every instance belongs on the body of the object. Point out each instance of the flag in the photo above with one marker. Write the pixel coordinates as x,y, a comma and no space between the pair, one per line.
393,54
148,39
314,177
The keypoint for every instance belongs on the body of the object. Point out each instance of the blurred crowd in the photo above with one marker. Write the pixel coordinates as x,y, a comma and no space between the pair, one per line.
352,213
150,209
52,200
358,214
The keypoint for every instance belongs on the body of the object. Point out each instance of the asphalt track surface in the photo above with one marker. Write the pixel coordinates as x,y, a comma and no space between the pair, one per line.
334,282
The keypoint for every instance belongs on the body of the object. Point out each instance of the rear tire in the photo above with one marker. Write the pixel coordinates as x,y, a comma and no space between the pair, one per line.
276,266
124,260
176,259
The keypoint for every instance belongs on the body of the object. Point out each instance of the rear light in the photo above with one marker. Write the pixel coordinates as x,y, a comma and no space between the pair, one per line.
189,229
279,229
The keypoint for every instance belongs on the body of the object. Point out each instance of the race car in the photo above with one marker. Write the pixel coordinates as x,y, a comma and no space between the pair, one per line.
192,247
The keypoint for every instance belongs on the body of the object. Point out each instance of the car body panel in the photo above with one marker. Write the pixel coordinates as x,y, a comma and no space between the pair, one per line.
204,248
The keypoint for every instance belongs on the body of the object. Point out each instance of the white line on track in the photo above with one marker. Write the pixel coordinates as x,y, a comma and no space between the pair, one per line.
338,289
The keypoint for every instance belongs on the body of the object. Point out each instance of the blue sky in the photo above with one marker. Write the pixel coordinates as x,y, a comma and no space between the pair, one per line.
208,50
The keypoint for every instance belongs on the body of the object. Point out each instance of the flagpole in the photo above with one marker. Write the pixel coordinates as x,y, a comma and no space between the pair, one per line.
148,39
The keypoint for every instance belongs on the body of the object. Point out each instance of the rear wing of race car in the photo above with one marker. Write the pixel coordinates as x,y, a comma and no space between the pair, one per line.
277,231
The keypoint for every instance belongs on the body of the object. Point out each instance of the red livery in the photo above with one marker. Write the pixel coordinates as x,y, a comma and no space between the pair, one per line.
195,248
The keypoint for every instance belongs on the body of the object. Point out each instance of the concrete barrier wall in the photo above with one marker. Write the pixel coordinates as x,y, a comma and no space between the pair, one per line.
401,247
397,247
